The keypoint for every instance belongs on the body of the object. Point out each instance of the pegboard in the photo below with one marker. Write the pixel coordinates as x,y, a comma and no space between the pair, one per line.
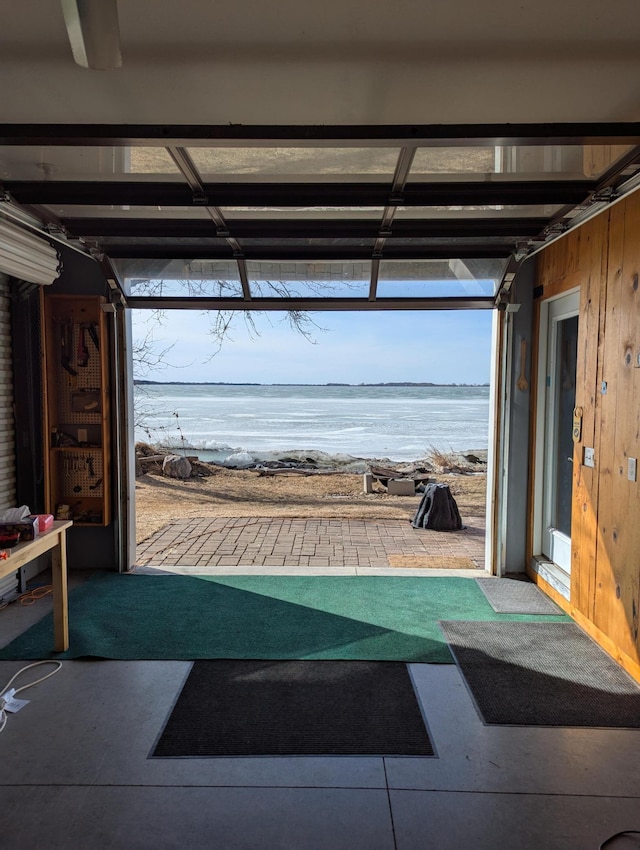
85,385
80,474
77,414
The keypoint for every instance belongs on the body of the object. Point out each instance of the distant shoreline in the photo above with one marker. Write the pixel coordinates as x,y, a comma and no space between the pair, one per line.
331,384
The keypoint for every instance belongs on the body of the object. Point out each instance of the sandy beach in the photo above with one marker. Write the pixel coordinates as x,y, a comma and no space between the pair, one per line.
215,491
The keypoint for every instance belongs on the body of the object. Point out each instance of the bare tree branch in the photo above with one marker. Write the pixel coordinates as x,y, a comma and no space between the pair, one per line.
149,353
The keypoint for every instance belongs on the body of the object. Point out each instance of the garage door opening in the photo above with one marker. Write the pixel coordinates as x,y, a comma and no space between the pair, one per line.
280,432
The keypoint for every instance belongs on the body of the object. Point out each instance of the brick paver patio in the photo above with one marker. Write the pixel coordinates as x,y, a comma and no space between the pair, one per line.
284,542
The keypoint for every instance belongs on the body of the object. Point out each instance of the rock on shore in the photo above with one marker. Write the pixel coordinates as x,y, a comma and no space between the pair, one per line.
152,458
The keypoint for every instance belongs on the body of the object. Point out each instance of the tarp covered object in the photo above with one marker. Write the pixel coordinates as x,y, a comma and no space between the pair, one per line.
437,510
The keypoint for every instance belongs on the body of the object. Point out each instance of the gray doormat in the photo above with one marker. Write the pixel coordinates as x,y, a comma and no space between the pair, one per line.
510,596
542,674
277,708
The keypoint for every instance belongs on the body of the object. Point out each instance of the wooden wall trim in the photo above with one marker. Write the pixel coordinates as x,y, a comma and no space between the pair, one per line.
533,427
496,491
568,282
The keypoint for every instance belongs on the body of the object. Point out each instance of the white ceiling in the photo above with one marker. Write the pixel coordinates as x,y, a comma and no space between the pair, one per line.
330,62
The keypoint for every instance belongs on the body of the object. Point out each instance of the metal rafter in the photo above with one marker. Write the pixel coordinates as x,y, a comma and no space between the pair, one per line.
503,289
403,167
326,194
306,253
244,277
614,174
611,180
286,238
372,135
191,174
305,228
373,283
311,304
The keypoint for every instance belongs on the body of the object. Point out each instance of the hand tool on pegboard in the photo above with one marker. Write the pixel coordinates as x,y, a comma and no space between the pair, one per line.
92,330
66,337
83,352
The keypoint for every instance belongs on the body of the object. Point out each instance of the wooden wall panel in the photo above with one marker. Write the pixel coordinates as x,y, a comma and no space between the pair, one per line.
603,602
627,493
584,516
618,557
558,263
603,256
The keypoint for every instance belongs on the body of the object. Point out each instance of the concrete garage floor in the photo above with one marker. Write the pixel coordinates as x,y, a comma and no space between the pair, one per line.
76,772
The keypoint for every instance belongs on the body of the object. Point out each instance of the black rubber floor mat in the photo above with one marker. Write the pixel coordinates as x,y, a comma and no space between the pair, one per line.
260,708
542,674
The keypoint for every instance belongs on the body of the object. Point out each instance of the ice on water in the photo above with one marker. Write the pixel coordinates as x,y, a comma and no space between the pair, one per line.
332,426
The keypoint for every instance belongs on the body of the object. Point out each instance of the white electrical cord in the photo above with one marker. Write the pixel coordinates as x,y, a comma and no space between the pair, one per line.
617,835
3,713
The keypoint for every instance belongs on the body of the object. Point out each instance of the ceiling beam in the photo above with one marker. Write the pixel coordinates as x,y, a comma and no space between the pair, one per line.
305,228
168,194
382,135
176,251
310,304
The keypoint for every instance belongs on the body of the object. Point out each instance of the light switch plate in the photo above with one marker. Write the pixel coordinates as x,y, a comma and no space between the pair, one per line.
589,457
632,468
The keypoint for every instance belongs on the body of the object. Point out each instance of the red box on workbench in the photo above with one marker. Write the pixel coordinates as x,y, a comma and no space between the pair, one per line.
45,522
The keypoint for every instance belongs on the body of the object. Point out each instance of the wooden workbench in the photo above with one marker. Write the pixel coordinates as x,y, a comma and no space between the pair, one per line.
55,541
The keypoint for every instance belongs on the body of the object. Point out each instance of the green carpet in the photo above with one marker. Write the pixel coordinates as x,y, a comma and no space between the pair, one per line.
369,618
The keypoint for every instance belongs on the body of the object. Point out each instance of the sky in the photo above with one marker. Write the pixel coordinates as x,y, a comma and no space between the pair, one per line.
441,347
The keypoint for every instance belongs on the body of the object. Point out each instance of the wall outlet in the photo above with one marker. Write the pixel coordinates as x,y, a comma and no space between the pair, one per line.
632,468
589,457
